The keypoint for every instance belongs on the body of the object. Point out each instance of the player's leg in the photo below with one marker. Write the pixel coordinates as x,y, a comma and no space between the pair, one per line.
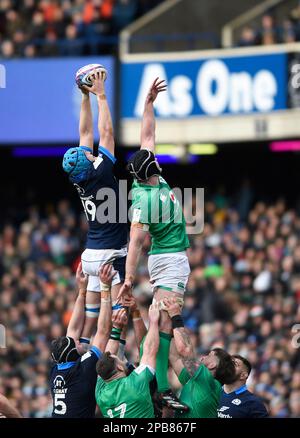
169,275
92,309
91,263
165,335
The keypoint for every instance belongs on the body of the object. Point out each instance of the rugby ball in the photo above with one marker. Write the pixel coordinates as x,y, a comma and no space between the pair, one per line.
83,75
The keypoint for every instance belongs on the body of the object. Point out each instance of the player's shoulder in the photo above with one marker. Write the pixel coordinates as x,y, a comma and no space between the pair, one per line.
140,195
203,372
141,372
162,181
93,353
204,376
249,397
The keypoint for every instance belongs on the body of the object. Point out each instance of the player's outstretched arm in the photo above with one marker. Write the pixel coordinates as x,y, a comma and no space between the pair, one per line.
105,125
137,237
104,320
86,137
119,321
76,323
151,343
181,338
175,359
140,330
7,409
148,121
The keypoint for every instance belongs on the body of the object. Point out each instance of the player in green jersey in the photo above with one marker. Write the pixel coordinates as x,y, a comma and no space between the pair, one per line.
201,379
156,210
120,395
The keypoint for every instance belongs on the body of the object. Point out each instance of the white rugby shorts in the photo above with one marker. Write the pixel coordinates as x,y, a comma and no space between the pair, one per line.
169,271
93,259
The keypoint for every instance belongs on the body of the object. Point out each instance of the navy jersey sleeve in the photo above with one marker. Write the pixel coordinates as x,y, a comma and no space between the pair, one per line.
88,360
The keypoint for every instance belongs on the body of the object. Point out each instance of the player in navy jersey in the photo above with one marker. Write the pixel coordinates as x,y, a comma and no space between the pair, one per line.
236,401
73,377
97,187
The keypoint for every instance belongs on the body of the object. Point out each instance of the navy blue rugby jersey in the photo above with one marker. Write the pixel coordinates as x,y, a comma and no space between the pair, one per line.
73,385
100,182
241,403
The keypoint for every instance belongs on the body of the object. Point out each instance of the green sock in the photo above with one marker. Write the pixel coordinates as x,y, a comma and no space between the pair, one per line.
162,361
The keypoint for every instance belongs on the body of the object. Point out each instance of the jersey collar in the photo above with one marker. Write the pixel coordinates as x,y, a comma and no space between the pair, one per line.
65,366
241,389
237,391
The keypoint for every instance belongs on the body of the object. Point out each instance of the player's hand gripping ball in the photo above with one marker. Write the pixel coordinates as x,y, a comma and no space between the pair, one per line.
83,75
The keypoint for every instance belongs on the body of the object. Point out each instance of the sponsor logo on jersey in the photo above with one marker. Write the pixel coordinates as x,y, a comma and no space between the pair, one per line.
220,415
223,408
59,385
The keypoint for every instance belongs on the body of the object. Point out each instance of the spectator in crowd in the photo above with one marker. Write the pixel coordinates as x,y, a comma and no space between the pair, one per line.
7,49
72,45
248,37
124,12
268,30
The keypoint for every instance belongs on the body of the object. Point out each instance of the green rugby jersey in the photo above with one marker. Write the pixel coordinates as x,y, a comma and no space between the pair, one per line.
158,208
127,397
201,393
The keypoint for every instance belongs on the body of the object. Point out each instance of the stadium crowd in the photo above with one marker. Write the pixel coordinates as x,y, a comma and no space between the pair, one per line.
243,295
272,31
45,28
35,28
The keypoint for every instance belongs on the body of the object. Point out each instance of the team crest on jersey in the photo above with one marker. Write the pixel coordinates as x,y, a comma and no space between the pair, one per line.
236,401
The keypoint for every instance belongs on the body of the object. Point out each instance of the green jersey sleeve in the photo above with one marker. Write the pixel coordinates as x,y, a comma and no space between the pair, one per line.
184,376
140,208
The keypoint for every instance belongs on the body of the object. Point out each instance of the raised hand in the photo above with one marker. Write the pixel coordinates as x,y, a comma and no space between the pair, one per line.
125,290
130,302
97,78
120,319
157,87
154,313
81,280
172,306
106,274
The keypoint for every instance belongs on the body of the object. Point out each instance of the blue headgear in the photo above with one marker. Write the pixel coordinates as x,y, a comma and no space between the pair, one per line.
76,164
